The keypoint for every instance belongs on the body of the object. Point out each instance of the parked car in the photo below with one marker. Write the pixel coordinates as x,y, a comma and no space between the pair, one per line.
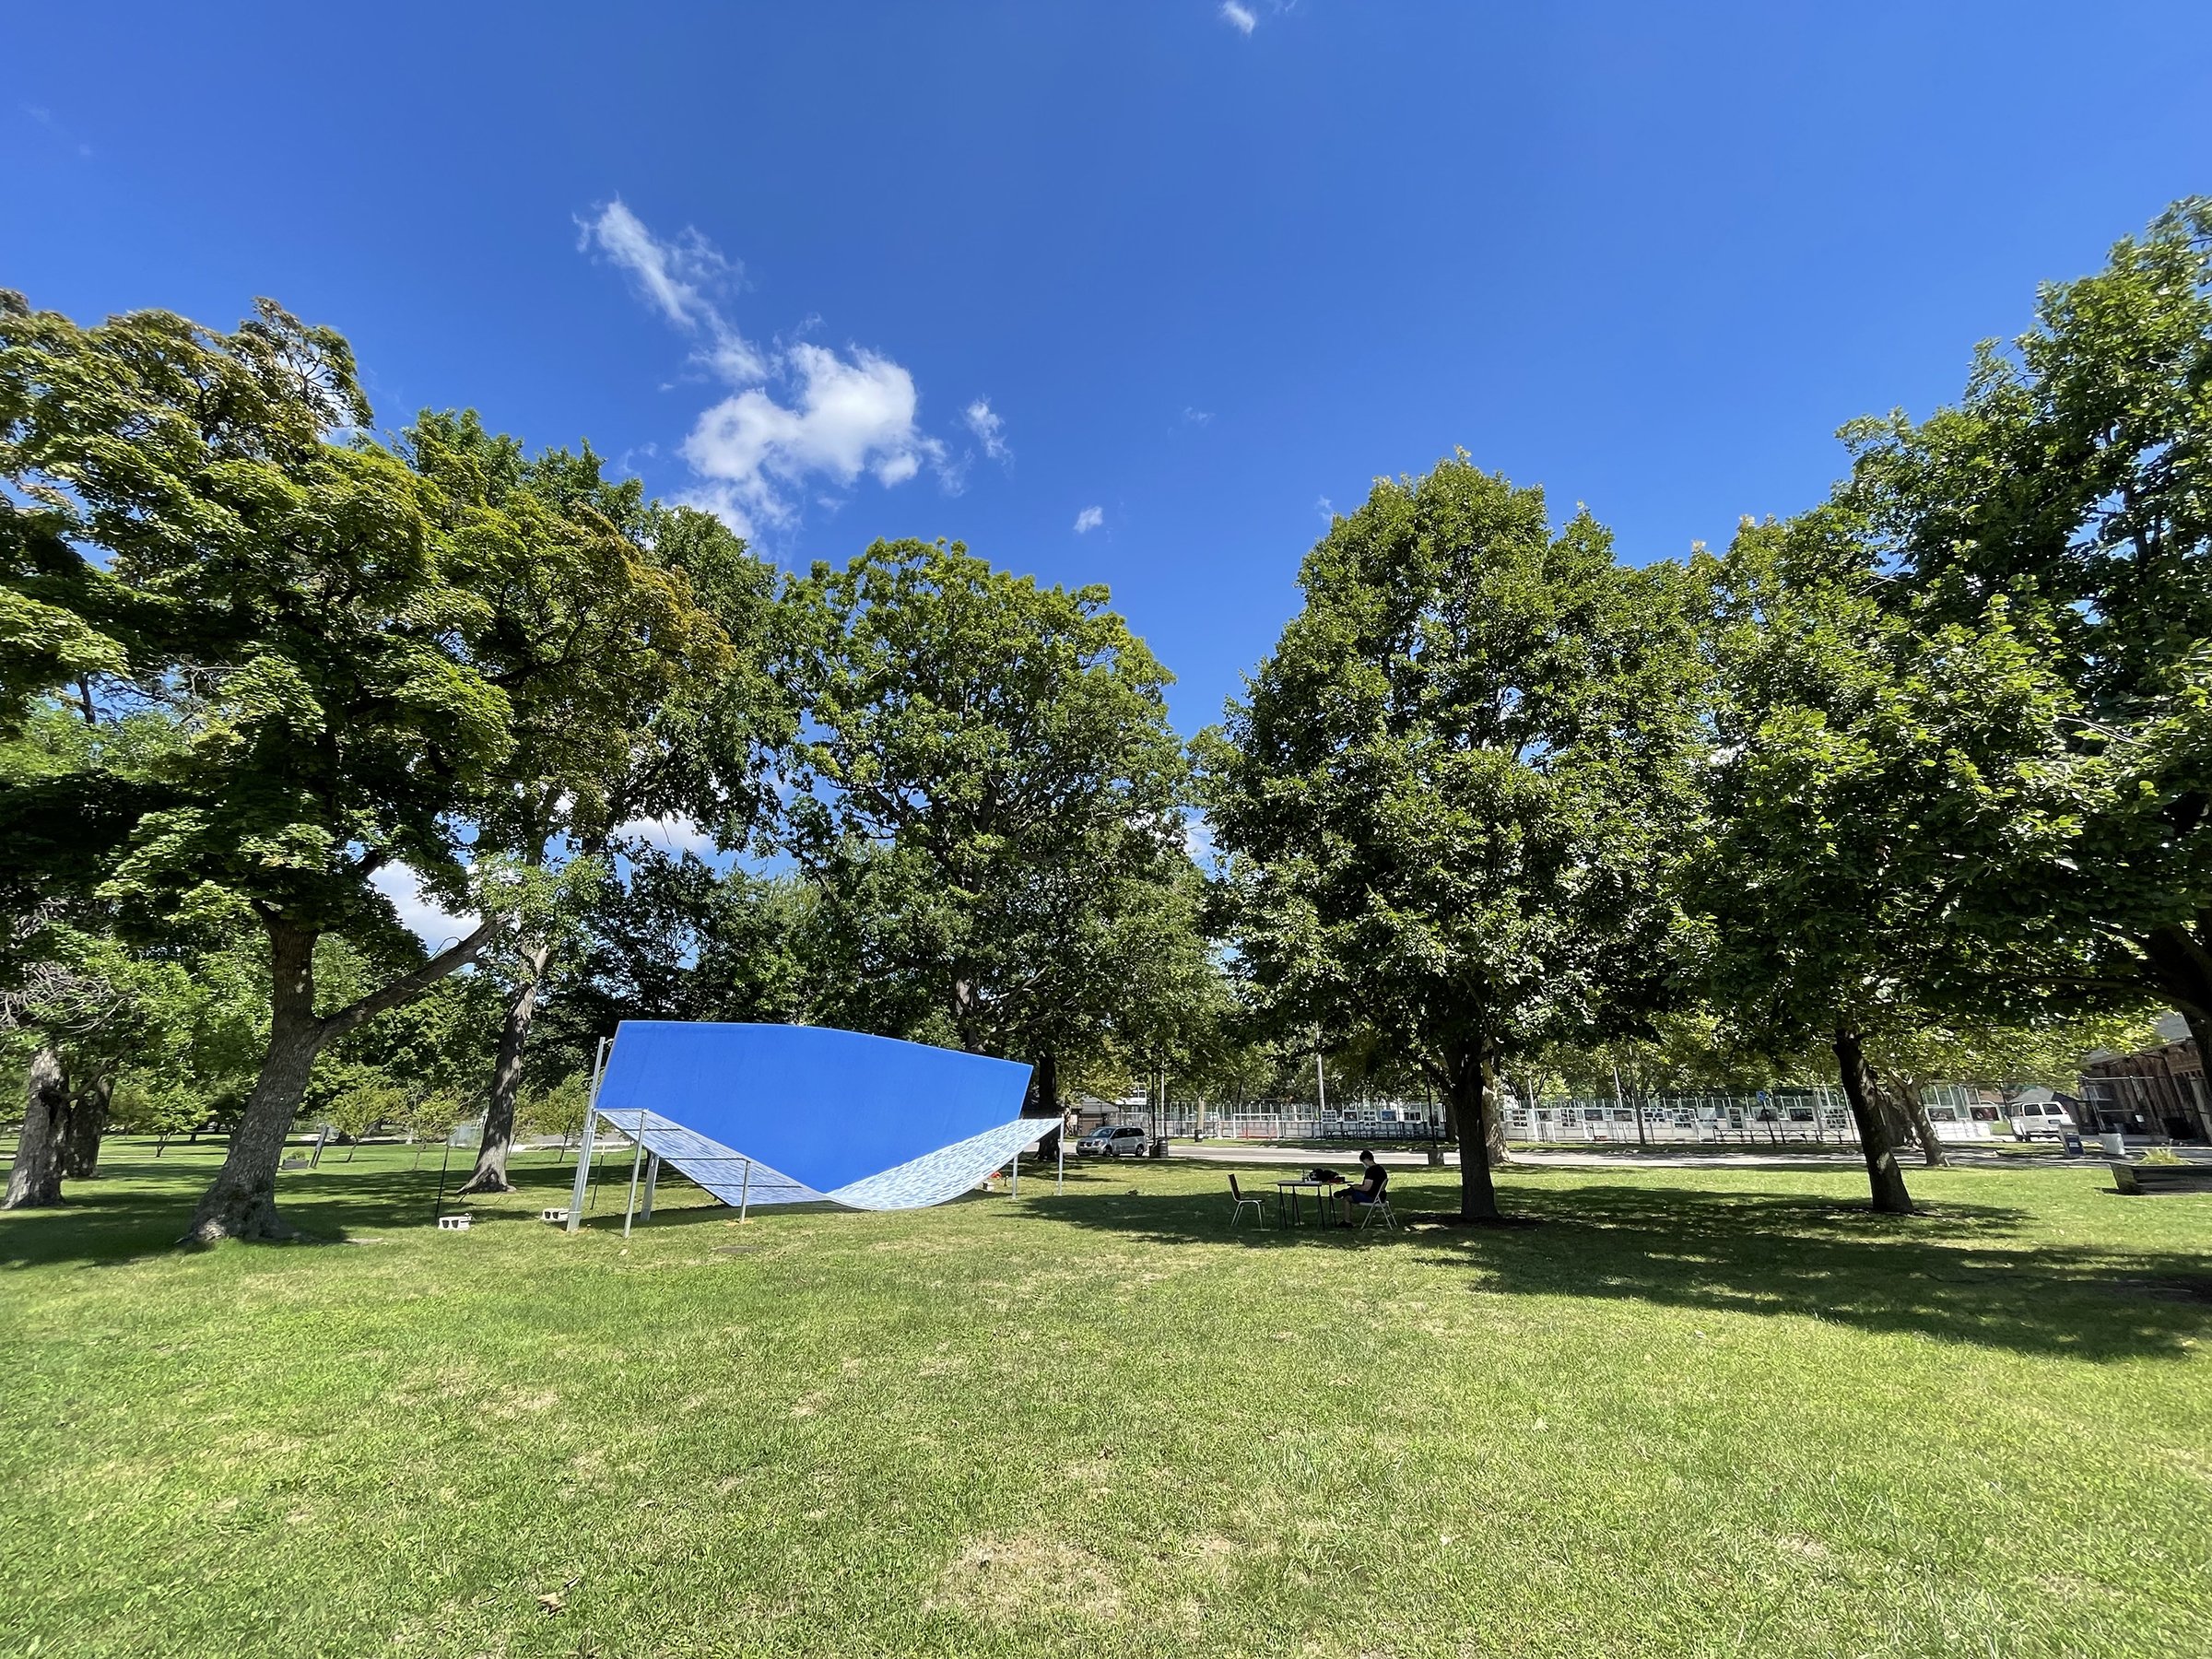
1107,1141
2033,1120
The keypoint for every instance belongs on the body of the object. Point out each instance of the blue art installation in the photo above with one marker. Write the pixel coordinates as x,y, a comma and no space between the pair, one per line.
796,1114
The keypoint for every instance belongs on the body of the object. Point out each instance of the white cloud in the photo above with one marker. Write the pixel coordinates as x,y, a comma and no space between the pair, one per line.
1089,519
675,833
801,412
1326,508
418,914
848,414
1198,416
675,276
1241,18
990,429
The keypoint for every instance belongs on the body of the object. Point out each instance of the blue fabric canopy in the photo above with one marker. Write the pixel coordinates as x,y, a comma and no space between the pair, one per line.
812,1112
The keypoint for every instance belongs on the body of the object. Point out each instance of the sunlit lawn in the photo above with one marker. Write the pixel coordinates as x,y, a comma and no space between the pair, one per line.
1694,1411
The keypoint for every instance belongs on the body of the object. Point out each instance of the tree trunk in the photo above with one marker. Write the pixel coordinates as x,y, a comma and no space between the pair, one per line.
1906,1091
34,1180
88,1123
241,1202
490,1174
1885,1179
1470,1111
2180,970
1494,1149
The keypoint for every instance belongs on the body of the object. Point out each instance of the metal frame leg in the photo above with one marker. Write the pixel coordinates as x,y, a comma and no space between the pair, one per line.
586,1151
637,1158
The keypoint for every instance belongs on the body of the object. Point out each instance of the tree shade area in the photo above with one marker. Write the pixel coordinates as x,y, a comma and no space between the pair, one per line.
1706,1410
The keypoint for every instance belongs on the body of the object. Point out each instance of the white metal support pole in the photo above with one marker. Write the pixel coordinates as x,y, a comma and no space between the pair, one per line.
584,1148
1321,1087
1060,1145
744,1193
1014,1184
637,1156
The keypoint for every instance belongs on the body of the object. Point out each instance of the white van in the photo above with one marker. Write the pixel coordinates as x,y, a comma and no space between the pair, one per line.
2035,1119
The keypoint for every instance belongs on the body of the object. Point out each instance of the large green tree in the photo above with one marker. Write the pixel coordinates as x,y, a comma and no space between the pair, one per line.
295,595
1455,796
1886,788
613,627
2073,478
987,797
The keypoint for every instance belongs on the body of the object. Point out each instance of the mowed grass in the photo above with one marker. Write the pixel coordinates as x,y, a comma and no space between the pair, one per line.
1692,1412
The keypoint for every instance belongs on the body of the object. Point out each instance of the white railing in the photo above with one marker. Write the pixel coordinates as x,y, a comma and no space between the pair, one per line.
1813,1116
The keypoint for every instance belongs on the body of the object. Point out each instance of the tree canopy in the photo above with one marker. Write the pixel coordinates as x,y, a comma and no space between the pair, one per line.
1458,788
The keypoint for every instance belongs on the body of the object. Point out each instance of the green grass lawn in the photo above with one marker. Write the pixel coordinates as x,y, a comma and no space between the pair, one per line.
1693,1412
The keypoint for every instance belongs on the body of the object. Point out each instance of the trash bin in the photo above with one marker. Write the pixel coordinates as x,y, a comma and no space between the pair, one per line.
2070,1142
2114,1143
1160,1146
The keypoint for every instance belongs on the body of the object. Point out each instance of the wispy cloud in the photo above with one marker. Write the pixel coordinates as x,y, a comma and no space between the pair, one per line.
1089,519
44,117
990,429
799,413
673,276
1241,18
1198,416
1326,508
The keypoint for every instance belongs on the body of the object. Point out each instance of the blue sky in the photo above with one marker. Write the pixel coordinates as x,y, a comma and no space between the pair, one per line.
1118,292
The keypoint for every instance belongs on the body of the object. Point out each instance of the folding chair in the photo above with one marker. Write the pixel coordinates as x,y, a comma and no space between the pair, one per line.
1243,1199
1378,1205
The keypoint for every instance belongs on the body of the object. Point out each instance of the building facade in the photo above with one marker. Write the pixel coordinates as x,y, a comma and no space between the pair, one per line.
2160,1091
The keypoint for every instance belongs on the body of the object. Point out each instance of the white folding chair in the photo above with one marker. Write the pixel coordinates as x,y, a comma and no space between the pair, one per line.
1378,1205
1244,1199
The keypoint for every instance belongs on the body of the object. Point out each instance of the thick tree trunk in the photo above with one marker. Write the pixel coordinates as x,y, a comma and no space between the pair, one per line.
34,1180
1470,1110
241,1203
490,1174
88,1123
1885,1179
2181,971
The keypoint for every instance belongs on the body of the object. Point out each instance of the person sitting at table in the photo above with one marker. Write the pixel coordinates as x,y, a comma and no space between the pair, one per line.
1366,1190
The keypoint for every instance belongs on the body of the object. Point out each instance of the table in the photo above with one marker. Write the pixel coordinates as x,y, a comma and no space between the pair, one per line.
1287,1204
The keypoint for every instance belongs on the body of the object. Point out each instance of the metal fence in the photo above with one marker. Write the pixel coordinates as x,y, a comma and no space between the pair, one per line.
1814,1116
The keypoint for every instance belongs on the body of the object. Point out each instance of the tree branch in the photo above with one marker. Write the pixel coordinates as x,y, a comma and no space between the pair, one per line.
413,982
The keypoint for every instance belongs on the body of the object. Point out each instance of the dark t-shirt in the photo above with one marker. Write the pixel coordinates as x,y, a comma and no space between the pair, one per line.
1377,1179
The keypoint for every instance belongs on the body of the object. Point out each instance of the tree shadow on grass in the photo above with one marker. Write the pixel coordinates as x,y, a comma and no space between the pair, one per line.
139,1205
1959,1273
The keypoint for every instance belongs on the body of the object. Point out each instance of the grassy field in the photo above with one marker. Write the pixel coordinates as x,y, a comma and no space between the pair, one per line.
1693,1412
